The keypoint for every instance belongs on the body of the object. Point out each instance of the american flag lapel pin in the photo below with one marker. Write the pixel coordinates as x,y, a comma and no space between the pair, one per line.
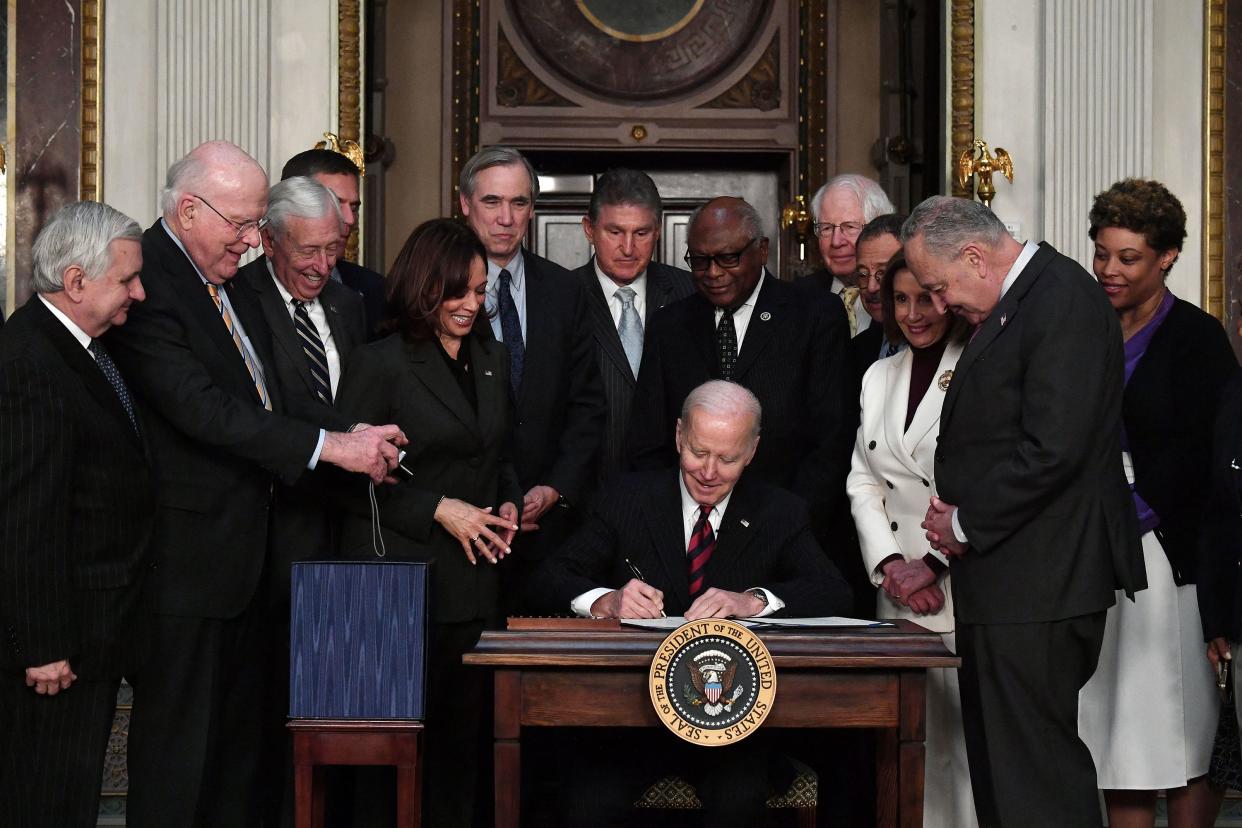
1004,319
745,522
486,373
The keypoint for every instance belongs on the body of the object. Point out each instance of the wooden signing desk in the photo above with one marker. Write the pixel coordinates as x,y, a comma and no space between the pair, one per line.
856,677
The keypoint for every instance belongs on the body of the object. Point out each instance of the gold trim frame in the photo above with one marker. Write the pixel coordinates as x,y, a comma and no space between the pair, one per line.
90,186
349,93
961,89
1213,299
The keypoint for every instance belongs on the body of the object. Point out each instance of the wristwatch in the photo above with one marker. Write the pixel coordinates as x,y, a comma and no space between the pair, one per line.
760,594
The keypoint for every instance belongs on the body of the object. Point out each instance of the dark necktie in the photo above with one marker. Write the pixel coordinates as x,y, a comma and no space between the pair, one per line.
511,330
104,360
702,545
726,344
316,355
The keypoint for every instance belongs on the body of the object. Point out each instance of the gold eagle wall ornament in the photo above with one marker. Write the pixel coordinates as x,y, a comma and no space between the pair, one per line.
977,160
350,149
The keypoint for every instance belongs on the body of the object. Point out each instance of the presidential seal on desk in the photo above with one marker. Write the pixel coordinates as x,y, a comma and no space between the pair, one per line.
712,682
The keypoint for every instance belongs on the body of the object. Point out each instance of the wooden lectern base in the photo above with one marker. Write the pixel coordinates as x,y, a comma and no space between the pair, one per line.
320,742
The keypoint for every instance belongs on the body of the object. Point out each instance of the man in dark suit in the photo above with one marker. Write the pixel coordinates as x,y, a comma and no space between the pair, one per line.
199,356
841,208
75,492
624,290
340,175
539,311
744,325
1034,507
709,542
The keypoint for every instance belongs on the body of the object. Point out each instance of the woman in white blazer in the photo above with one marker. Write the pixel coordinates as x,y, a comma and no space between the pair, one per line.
889,485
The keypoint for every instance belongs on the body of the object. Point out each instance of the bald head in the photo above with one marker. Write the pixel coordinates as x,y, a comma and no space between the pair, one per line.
726,250
212,201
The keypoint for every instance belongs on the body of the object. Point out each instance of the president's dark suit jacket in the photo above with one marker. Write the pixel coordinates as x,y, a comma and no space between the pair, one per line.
664,285
1219,569
305,520
765,540
1030,451
560,407
370,286
1169,409
453,452
793,358
75,517
216,449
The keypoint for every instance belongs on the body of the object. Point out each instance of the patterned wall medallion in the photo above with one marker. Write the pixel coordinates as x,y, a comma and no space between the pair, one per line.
639,49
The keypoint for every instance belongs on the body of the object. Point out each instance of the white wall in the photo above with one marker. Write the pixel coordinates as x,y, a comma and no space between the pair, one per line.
1084,93
260,73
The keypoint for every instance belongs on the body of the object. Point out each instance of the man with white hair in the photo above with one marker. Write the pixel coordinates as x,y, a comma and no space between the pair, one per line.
703,540
200,359
841,208
75,517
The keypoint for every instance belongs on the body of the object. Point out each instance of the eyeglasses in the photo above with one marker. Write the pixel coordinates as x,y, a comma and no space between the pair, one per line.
242,227
701,262
849,229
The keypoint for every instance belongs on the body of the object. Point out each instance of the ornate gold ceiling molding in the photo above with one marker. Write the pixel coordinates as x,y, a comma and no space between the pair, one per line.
91,182
516,85
1213,300
761,87
962,86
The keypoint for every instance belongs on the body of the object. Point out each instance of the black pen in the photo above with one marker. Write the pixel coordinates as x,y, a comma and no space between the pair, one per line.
639,576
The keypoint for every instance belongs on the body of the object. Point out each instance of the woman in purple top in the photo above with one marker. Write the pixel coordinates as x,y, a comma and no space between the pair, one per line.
1149,713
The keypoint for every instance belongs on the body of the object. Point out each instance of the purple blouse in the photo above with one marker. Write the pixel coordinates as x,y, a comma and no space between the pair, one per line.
1135,347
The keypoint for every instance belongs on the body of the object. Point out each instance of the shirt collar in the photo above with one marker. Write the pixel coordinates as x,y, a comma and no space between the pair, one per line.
750,301
1029,249
690,507
80,335
181,247
285,294
610,287
516,268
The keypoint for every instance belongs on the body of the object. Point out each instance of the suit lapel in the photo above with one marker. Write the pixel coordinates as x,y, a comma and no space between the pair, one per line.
539,333
336,324
659,291
897,380
429,369
927,415
601,320
489,389
283,331
668,537
764,317
701,329
737,529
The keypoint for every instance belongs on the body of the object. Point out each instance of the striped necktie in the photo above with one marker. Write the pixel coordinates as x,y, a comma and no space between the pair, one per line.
316,355
255,376
702,545
726,344
849,295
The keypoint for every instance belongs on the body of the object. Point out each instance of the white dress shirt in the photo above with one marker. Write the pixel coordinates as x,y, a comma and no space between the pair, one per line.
690,516
1029,249
741,316
320,317
80,335
862,319
517,289
610,289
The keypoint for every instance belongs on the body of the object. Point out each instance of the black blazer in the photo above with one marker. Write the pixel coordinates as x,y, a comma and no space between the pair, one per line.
75,516
765,540
216,449
793,358
305,518
453,452
664,285
1030,451
1219,569
370,286
1169,409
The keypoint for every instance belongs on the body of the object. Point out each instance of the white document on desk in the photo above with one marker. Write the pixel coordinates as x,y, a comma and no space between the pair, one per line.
675,621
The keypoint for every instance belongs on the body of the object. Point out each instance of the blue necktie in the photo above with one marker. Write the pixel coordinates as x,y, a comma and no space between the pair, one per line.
104,360
511,330
631,328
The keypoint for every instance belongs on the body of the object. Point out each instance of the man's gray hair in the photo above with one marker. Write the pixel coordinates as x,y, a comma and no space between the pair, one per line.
724,399
185,175
870,195
746,213
620,186
498,156
948,224
300,197
79,234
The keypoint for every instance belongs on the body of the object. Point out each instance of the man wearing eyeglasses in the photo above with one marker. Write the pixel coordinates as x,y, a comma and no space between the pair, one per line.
841,209
198,357
745,325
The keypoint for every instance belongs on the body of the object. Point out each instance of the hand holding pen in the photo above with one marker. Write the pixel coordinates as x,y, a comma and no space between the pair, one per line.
637,599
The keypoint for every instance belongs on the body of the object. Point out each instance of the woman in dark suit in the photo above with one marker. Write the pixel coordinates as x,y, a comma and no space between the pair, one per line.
1148,715
455,506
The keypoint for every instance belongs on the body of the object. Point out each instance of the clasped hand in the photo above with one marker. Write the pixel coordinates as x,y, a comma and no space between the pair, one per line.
939,525
472,527
50,679
913,584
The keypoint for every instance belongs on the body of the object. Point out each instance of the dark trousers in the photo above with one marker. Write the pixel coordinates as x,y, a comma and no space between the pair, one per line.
197,731
52,752
1019,686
